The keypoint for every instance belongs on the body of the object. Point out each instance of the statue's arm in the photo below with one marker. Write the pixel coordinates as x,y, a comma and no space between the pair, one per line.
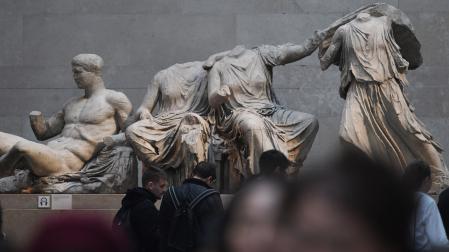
293,52
44,129
328,58
122,107
149,101
217,94
209,63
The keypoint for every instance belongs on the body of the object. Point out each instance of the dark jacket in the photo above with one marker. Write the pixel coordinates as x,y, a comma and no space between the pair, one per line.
144,219
207,213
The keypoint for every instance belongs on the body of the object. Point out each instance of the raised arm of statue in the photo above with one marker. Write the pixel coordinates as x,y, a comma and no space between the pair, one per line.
217,94
294,52
149,101
328,58
44,129
209,63
122,106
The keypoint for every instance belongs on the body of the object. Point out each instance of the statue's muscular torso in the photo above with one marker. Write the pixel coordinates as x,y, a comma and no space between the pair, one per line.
87,122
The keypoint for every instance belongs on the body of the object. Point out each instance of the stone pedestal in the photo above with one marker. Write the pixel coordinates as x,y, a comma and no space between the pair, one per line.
22,215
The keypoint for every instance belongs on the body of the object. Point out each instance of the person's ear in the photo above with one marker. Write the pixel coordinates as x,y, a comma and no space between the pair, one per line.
149,185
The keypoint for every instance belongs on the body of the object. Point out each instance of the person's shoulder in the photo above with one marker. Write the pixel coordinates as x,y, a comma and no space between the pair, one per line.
425,199
145,206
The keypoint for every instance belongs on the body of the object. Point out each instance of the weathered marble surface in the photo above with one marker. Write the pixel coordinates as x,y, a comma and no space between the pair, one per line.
39,38
172,129
76,153
248,114
374,53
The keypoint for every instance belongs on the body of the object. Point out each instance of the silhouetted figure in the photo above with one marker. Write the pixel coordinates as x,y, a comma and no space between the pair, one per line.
138,216
273,163
443,206
188,212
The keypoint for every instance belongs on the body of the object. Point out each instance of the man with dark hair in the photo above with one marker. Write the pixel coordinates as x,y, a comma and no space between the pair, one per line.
188,212
138,216
273,163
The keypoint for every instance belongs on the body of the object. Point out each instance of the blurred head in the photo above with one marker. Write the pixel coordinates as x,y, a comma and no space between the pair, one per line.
155,181
77,233
250,220
417,177
273,163
206,172
86,69
351,205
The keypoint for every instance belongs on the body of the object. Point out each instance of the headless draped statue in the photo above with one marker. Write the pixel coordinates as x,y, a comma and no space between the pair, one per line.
246,108
177,135
79,127
240,89
377,117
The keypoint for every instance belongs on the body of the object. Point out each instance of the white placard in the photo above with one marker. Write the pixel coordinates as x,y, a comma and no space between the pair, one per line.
43,201
61,201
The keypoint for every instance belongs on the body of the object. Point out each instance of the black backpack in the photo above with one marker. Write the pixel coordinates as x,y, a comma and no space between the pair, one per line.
181,236
122,222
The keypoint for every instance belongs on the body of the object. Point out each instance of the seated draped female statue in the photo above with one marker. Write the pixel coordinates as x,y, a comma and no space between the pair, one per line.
172,130
247,111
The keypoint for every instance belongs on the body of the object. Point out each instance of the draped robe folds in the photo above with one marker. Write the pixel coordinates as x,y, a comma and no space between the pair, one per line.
178,135
377,117
252,113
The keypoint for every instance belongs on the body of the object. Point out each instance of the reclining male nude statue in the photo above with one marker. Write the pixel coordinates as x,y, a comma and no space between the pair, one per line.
79,127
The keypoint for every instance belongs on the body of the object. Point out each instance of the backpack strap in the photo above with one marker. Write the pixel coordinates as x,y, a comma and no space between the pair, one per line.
174,197
204,194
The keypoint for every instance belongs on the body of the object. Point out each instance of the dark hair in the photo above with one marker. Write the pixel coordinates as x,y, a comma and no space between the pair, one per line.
368,190
270,160
153,174
415,174
205,170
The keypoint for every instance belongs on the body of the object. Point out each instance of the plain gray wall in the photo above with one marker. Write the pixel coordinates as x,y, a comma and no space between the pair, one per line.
137,38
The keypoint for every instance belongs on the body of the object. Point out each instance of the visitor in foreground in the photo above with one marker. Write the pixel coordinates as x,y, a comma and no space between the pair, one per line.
188,212
428,230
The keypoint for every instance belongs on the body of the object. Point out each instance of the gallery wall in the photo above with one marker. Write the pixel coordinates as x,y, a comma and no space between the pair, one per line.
137,38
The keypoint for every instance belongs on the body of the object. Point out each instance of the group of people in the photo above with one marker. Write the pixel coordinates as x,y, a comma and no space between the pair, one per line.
376,208
187,212
347,203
